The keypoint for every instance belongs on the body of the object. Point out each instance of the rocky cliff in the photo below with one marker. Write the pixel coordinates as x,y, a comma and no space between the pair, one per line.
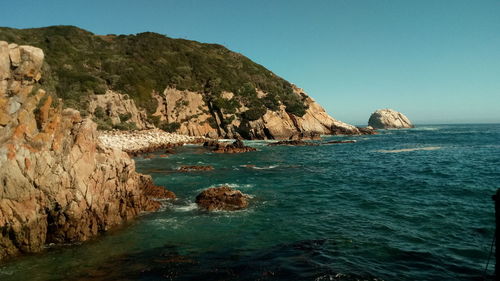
115,110
183,86
57,182
197,116
389,119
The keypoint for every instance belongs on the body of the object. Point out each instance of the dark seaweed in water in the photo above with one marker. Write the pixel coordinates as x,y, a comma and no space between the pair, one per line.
296,261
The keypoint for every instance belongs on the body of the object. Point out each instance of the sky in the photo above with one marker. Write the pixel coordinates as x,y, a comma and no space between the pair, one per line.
437,61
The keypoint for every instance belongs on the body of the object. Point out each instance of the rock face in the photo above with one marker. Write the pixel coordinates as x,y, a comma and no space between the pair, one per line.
389,119
222,198
119,109
57,182
196,118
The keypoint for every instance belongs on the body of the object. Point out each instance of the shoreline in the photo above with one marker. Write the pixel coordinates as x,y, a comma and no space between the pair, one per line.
145,141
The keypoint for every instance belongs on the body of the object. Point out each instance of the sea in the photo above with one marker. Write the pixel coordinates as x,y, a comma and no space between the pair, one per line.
411,204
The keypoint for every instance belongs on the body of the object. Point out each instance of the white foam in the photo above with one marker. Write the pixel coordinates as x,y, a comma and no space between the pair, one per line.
265,167
186,208
231,185
166,223
426,129
260,168
409,149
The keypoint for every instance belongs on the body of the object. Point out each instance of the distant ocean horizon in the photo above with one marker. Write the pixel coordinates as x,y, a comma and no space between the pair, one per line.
442,124
412,204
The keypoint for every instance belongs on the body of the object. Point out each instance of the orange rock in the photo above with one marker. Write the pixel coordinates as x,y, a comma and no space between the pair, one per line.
69,188
11,154
44,110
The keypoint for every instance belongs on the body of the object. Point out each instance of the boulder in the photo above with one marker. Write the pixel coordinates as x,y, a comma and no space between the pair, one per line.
222,198
389,119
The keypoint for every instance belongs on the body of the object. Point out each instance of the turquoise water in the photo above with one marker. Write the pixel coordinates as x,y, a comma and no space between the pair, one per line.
366,210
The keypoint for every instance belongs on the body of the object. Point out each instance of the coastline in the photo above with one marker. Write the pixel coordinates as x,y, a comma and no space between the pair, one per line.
145,141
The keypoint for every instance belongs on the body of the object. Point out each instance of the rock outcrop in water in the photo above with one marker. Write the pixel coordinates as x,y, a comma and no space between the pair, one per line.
236,147
192,168
222,198
389,119
57,182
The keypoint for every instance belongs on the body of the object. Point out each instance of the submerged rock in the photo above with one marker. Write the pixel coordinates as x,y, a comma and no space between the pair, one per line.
195,168
58,182
389,119
222,198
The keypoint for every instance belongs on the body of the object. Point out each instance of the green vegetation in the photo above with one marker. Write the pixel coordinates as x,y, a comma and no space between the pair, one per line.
79,63
170,127
125,117
125,126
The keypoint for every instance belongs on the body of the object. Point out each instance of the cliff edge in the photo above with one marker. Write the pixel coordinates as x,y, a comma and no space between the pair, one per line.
57,182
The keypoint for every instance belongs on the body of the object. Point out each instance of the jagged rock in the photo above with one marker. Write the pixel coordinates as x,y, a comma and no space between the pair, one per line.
195,168
368,130
196,118
236,147
389,119
222,198
119,108
58,182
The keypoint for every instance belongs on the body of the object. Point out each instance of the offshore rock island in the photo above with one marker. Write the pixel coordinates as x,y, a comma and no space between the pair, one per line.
389,119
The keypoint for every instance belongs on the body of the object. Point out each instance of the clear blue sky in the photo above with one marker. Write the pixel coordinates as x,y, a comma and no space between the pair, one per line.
437,61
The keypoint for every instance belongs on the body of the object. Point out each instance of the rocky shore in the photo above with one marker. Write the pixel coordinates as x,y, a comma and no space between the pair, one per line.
138,142
59,183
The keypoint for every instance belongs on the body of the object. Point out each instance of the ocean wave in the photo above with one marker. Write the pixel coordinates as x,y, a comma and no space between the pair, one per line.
231,185
260,168
426,129
185,208
234,185
166,223
409,149
259,142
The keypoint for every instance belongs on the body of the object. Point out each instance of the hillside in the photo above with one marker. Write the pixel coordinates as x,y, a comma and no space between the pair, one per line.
147,79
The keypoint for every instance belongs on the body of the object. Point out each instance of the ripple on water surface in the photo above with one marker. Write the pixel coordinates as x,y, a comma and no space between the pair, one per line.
401,205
